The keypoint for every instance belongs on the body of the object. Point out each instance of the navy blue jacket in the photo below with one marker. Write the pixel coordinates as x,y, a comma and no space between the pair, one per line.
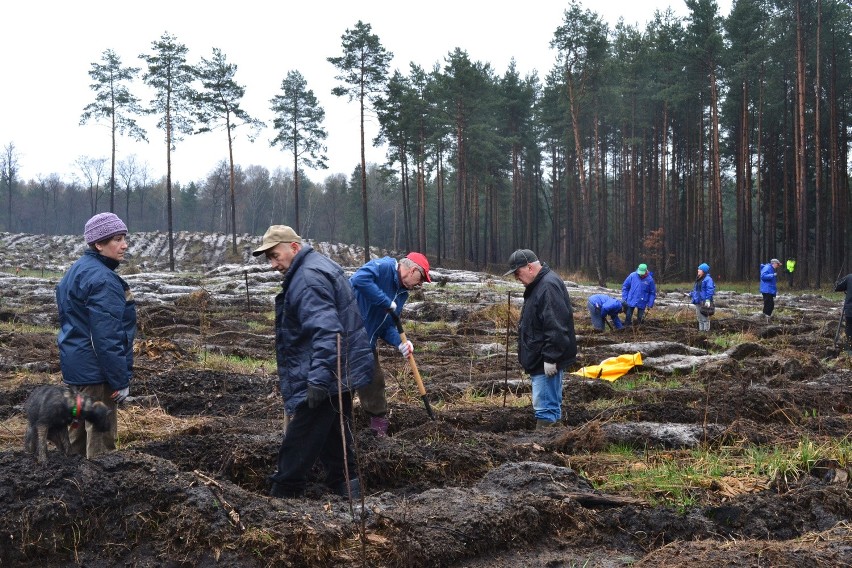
768,284
546,329
315,305
639,292
97,323
376,285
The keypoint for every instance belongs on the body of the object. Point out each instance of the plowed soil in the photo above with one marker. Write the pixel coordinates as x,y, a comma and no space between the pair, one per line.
477,487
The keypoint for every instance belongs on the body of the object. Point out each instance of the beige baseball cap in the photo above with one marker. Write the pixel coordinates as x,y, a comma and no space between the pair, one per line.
274,235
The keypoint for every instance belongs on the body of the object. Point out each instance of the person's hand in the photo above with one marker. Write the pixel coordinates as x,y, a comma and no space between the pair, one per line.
550,369
121,395
316,396
406,348
707,303
392,306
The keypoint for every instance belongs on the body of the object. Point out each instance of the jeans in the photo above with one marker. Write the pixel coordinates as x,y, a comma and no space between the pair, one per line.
547,396
628,315
703,321
595,314
314,433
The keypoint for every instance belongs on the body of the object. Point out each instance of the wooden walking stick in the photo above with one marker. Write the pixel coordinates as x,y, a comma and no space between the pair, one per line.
508,322
417,377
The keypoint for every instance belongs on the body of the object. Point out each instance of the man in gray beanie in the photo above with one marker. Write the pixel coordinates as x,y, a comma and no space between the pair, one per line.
97,325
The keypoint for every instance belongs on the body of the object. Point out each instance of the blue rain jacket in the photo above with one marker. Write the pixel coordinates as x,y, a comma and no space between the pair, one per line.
768,279
376,285
639,292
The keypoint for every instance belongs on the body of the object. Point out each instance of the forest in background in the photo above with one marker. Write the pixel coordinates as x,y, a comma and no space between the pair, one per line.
710,138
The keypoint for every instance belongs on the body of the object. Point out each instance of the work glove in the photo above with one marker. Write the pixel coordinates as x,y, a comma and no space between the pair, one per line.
706,303
550,369
316,396
406,348
392,306
121,395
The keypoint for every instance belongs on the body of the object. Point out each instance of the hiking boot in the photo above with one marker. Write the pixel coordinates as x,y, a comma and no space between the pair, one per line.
379,426
278,491
343,489
542,424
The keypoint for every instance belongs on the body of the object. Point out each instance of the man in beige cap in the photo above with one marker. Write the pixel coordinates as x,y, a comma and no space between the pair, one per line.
315,308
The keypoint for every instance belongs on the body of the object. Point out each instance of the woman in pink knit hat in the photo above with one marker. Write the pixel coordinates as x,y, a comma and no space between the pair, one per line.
97,325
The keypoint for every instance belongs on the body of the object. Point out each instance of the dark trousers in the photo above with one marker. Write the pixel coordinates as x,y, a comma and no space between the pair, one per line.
849,331
768,304
314,433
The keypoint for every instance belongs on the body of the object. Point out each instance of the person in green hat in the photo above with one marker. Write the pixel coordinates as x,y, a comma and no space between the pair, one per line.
639,291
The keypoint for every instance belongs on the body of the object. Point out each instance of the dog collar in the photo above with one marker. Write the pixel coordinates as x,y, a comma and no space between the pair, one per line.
75,410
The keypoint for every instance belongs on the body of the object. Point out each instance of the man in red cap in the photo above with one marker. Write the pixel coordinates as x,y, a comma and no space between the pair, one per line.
381,285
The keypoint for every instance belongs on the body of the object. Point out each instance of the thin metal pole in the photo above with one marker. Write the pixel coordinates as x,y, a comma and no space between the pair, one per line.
248,297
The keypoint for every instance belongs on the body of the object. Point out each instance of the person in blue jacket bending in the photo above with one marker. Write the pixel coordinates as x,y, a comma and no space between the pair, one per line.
769,285
639,291
602,306
381,285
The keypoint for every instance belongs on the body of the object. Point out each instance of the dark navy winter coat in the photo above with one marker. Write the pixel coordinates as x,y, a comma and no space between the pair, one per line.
376,285
316,305
97,323
639,292
546,329
768,279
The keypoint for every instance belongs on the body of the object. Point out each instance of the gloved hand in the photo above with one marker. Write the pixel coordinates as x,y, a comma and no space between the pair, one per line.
316,396
550,369
392,306
706,303
121,395
406,348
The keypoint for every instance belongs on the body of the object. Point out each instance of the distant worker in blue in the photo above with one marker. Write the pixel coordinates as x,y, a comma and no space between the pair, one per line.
639,291
601,307
702,296
769,285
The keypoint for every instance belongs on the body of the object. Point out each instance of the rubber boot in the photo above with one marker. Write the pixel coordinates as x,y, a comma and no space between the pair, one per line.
542,424
379,426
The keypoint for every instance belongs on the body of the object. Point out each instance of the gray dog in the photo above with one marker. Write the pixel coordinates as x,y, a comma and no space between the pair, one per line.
50,410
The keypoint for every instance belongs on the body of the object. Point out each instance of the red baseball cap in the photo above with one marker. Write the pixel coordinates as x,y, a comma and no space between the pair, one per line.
420,260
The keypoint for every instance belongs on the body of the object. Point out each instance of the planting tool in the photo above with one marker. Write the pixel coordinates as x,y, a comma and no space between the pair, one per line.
417,377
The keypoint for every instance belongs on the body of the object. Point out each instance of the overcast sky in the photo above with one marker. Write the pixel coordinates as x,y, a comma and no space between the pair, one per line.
48,48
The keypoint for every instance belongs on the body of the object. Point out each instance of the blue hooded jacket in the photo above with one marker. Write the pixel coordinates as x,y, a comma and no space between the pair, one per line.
639,292
703,289
376,285
97,323
315,305
609,306
768,279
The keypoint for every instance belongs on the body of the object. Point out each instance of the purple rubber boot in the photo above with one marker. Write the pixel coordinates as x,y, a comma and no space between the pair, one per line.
379,425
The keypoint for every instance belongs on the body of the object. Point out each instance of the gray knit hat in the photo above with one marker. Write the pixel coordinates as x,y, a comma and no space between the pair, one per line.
103,226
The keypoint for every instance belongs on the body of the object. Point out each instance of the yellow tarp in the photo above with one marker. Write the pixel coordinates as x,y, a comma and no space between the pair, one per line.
612,368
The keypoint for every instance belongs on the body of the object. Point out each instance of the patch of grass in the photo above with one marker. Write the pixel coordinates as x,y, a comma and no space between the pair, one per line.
234,364
644,380
727,340
676,478
20,327
609,403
